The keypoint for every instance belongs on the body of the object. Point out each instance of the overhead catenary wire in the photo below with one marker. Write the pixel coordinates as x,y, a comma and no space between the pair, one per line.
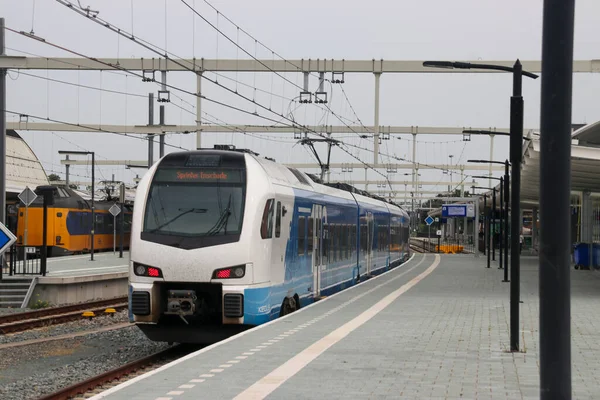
158,50
298,68
87,128
150,46
120,68
261,117
273,52
293,83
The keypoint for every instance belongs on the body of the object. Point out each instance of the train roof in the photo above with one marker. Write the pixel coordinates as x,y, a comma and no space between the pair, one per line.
65,197
283,175
293,177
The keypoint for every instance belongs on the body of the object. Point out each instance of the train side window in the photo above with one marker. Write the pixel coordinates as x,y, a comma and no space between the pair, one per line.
348,241
318,235
338,243
266,227
344,242
331,251
109,224
363,237
301,233
325,242
310,235
334,245
278,220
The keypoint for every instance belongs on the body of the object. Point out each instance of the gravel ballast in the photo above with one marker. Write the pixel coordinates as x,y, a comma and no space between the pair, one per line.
6,311
31,371
83,324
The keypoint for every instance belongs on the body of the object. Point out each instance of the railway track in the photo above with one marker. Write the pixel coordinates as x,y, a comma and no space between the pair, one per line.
421,246
105,381
416,248
51,316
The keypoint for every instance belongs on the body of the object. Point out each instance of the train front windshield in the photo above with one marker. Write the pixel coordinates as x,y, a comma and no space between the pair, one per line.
193,203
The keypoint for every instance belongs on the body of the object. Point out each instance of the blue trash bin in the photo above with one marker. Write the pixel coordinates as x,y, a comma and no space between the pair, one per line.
582,256
596,255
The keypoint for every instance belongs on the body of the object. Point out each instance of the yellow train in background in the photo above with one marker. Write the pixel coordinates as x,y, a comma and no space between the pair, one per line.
70,223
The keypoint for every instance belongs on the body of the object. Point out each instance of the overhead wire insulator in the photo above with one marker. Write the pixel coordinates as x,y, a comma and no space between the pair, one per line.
148,76
164,96
321,97
337,77
305,97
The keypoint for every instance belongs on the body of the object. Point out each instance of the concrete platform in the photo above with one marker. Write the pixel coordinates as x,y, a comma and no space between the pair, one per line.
437,327
74,279
78,265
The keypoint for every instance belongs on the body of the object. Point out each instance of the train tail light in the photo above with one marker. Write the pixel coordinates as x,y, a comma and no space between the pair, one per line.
143,270
230,273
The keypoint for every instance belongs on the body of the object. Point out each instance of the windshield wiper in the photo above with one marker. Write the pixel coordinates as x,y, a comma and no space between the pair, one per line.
183,212
222,221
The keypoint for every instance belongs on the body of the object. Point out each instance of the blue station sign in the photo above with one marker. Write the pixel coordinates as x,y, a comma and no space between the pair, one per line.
458,210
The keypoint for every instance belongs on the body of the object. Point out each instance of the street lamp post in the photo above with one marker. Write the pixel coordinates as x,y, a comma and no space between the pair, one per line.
93,190
47,192
502,228
491,213
506,182
516,148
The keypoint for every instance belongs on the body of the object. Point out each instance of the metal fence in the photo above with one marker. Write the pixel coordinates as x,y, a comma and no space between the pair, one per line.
21,262
457,244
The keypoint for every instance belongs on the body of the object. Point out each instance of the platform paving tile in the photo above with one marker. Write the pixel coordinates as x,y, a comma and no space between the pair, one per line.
448,337
81,265
303,329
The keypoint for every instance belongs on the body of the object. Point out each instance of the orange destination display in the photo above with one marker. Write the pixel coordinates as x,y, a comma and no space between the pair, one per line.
199,175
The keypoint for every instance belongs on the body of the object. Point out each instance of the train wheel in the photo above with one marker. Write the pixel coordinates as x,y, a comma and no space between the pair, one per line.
288,306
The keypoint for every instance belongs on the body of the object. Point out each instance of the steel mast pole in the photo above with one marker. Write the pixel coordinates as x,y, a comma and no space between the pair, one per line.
93,206
2,132
2,135
516,148
501,223
506,224
555,191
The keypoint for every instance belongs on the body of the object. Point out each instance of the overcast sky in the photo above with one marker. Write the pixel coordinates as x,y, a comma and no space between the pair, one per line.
392,30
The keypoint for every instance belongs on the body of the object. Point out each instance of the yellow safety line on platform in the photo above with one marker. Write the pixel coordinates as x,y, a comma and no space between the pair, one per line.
278,376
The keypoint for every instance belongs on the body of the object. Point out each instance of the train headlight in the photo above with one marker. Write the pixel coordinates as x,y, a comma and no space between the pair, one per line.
140,270
230,273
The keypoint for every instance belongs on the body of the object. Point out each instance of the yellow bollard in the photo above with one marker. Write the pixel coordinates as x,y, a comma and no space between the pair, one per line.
88,314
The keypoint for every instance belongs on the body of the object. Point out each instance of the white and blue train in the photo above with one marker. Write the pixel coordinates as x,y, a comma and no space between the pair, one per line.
223,240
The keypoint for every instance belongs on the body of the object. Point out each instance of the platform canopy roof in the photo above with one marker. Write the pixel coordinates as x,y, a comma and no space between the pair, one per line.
585,167
588,135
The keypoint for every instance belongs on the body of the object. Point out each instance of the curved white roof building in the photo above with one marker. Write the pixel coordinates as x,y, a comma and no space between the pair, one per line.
22,166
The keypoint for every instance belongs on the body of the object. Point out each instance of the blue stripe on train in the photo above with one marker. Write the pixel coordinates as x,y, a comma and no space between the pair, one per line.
257,308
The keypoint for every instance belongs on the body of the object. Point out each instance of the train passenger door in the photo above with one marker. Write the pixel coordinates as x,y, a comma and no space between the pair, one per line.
280,239
369,242
317,217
